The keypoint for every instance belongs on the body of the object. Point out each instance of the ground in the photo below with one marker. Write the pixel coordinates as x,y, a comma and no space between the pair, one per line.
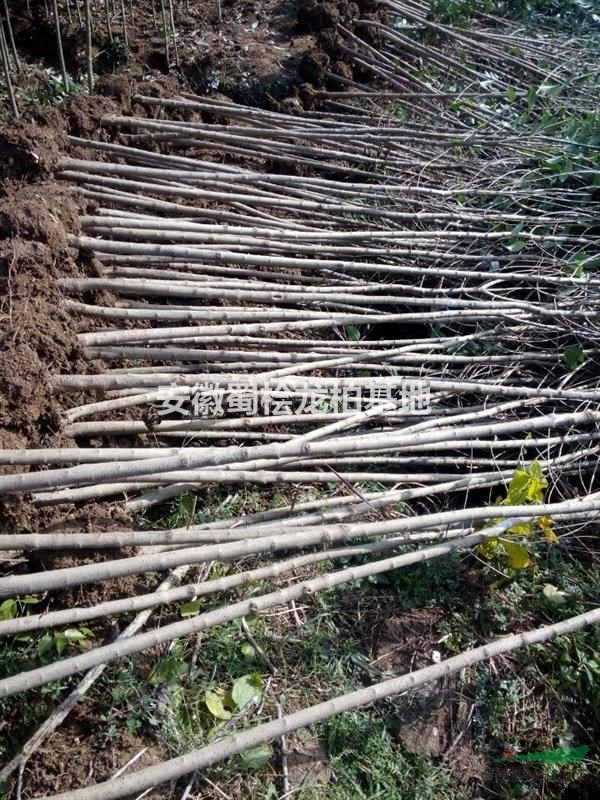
445,741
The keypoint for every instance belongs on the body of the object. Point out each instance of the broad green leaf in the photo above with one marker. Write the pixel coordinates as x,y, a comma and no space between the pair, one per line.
74,635
535,470
535,490
517,488
60,642
45,644
576,272
550,90
168,671
247,689
516,246
576,264
214,699
257,757
8,609
518,556
566,171
526,485
556,163
29,600
353,333
190,609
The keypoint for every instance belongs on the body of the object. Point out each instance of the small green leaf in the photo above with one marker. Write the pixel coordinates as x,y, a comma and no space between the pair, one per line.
547,529
186,505
400,113
214,699
60,642
248,651
247,689
257,757
511,94
573,356
190,609
45,644
74,635
516,246
352,333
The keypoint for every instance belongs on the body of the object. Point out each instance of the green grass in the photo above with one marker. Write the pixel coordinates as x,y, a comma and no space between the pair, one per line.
214,503
546,697
367,763
539,699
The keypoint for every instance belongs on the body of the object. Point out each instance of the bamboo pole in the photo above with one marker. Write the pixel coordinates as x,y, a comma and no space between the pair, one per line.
59,46
88,45
11,39
6,64
69,666
305,537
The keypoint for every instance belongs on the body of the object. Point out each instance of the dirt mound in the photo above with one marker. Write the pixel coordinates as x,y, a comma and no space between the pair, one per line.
84,114
324,18
29,149
35,335
36,330
318,15
41,213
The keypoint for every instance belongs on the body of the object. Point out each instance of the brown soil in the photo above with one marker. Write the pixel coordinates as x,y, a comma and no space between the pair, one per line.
99,518
77,756
29,149
438,721
36,331
406,643
440,730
